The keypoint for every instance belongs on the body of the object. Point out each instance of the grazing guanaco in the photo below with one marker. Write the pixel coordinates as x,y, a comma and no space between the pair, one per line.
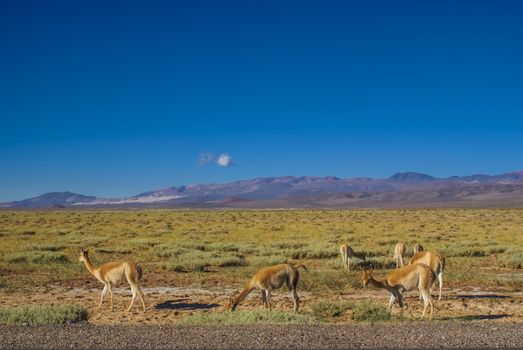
270,278
435,261
399,254
417,248
114,272
403,279
347,253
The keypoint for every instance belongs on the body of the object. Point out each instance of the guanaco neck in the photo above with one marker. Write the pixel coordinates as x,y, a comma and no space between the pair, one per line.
379,284
89,266
248,288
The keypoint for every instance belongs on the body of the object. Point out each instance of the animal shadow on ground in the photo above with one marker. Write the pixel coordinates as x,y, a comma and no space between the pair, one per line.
180,304
475,317
482,296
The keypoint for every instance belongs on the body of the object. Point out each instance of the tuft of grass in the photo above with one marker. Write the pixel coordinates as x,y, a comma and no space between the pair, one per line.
323,309
105,250
245,318
313,251
43,314
368,311
229,260
44,257
185,260
264,261
51,247
512,258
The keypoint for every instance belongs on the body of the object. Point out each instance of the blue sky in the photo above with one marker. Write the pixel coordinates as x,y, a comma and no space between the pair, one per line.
116,99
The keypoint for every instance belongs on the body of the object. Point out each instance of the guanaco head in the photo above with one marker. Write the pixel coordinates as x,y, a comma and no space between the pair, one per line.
231,306
366,276
84,254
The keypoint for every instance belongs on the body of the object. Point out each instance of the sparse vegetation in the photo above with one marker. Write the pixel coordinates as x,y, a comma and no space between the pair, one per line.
370,311
512,258
43,314
324,309
484,247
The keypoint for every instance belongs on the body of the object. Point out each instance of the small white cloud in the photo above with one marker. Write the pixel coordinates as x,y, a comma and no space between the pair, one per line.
204,158
224,160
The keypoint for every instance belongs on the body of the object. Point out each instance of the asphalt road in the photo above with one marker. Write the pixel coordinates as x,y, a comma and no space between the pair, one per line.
401,335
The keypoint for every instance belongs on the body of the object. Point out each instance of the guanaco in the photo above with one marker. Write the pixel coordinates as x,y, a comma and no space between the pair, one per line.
347,253
399,253
417,248
269,278
403,279
435,261
112,273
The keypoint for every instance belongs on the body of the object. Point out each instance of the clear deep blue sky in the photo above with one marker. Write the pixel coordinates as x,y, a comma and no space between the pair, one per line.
113,99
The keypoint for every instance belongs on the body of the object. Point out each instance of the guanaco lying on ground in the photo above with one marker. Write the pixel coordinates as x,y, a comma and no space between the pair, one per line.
399,253
347,253
112,273
403,279
435,261
270,278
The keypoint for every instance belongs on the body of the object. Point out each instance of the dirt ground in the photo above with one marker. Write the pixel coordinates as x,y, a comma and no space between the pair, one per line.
166,303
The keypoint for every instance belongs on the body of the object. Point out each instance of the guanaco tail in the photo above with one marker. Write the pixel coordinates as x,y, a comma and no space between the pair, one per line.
114,272
403,279
269,278
347,253
435,261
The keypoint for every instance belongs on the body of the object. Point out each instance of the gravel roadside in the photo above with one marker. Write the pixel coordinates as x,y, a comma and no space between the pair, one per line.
407,335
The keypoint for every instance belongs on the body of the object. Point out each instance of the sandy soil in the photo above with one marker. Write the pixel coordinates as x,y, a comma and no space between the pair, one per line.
166,304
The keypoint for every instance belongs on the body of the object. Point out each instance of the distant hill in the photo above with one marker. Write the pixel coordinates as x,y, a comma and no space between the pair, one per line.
408,189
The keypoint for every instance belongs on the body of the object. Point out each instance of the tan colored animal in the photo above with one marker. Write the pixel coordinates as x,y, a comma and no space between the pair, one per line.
399,254
403,279
417,248
435,261
347,253
270,278
114,272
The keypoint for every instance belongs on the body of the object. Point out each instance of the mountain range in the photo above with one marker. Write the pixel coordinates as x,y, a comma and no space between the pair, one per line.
407,189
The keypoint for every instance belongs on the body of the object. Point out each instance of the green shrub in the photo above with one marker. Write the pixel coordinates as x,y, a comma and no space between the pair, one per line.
105,250
368,311
37,257
265,261
315,251
512,258
228,260
323,309
52,247
43,314
197,261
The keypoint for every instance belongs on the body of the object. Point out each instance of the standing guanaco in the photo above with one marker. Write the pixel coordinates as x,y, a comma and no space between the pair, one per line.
347,253
399,253
403,279
435,261
112,273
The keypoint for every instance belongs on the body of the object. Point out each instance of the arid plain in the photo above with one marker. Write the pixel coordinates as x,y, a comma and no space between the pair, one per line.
193,261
